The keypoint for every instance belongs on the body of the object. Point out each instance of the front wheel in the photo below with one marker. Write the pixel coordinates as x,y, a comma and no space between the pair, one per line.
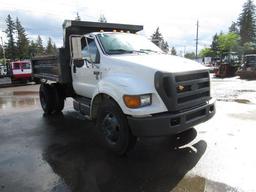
114,128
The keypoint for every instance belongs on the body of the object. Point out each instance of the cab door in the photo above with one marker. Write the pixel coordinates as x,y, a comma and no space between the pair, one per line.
87,74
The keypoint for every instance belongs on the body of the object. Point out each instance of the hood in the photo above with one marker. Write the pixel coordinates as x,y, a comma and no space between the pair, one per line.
161,62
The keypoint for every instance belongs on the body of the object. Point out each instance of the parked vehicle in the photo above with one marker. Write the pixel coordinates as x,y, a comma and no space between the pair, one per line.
123,82
21,71
228,66
248,68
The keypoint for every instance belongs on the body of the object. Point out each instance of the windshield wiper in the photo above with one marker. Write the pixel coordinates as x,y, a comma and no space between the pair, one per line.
146,51
123,51
119,51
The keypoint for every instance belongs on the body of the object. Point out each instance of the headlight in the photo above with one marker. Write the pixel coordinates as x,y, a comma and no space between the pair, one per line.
136,101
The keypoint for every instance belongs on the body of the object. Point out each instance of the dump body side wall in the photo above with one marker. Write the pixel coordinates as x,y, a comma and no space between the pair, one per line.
54,67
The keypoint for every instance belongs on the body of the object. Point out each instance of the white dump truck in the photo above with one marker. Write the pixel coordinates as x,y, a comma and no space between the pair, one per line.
124,83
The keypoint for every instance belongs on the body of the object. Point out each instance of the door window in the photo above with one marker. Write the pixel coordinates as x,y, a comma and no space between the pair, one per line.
90,51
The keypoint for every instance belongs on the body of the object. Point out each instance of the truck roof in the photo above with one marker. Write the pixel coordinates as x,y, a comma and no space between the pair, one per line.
83,27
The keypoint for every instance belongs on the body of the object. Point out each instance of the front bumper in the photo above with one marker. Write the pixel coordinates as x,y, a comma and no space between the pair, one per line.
169,124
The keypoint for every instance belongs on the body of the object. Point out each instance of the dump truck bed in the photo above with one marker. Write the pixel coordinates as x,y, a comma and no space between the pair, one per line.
52,67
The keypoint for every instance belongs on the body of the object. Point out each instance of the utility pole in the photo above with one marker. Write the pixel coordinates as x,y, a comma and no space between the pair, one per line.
197,26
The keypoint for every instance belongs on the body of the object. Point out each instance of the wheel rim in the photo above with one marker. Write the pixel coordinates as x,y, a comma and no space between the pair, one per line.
111,128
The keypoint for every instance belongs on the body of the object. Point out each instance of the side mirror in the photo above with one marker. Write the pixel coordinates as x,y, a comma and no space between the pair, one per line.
78,62
76,48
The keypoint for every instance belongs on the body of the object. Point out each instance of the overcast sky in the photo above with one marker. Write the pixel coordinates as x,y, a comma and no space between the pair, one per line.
176,19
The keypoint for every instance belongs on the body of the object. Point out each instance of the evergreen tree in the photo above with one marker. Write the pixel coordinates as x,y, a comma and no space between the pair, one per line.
165,47
190,55
50,50
157,38
234,28
102,19
1,52
39,46
32,49
215,45
22,41
246,22
78,18
173,51
55,49
10,46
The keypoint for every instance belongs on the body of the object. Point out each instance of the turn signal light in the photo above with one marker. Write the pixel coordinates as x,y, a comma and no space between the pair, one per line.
136,101
132,101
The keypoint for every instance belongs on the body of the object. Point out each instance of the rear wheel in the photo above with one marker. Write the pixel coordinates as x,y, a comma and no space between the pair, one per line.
59,97
46,95
114,128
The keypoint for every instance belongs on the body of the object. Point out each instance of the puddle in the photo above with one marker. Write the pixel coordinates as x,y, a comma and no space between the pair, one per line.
18,102
24,93
249,115
18,99
243,101
190,184
200,184
18,93
246,91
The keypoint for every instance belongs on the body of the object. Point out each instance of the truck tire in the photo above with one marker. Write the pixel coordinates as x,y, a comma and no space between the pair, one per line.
114,128
58,97
46,95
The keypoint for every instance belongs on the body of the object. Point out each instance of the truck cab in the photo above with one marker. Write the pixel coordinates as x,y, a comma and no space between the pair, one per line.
21,71
125,83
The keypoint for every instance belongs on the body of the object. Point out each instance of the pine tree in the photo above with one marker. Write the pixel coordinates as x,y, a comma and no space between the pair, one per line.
1,52
173,51
22,41
32,49
246,22
215,45
157,38
165,47
78,18
102,19
39,46
234,28
50,48
55,48
10,46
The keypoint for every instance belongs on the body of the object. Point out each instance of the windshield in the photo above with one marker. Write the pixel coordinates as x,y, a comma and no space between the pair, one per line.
25,65
125,43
